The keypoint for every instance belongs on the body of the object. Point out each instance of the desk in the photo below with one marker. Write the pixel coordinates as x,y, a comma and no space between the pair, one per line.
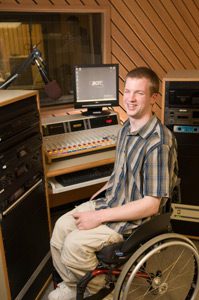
65,165
74,164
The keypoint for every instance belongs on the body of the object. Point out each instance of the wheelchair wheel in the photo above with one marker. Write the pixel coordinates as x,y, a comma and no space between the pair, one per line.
166,267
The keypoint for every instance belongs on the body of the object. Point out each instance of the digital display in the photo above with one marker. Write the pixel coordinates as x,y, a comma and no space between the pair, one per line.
96,86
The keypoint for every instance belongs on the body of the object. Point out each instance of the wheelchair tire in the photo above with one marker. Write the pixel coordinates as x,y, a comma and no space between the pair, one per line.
165,267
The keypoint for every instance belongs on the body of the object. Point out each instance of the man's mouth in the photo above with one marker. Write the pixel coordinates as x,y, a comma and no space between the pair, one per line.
132,106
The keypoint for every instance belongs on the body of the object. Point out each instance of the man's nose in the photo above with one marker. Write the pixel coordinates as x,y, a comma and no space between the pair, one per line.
132,97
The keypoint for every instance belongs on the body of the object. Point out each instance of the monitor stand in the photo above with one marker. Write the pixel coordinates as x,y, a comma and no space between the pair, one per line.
95,112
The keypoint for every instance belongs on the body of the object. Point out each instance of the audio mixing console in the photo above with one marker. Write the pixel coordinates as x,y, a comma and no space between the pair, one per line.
79,142
77,134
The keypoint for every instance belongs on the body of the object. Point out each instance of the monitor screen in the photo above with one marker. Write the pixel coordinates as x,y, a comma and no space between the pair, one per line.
95,87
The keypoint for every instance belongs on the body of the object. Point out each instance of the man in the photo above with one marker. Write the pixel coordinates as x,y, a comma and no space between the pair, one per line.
145,173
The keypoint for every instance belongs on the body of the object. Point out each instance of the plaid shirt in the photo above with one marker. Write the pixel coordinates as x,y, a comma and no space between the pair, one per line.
145,165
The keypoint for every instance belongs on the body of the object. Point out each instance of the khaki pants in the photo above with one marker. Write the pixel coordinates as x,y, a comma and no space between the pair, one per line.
73,250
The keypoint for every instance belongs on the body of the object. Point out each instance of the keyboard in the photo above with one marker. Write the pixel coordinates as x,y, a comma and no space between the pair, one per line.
85,175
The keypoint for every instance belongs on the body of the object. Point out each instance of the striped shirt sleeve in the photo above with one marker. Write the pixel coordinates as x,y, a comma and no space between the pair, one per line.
156,172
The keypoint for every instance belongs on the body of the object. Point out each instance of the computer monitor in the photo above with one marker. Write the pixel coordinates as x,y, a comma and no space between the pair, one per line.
95,87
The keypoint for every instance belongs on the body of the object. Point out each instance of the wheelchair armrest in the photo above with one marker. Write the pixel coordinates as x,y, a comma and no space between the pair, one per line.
155,226
119,252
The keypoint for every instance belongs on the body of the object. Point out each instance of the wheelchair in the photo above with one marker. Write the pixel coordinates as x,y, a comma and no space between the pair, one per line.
152,263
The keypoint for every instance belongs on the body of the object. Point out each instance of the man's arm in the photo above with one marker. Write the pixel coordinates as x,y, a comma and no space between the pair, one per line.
131,211
99,191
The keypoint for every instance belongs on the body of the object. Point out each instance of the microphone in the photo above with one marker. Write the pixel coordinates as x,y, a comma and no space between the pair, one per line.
53,90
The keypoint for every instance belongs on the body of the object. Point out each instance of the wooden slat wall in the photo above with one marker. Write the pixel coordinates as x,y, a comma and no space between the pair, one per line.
161,34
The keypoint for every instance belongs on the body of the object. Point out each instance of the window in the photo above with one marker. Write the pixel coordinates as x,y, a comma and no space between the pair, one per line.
63,40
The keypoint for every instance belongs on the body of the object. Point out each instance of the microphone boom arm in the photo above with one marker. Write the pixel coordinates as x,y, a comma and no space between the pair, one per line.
33,58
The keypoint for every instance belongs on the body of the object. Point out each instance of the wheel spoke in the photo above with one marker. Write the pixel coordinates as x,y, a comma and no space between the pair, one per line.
167,272
173,265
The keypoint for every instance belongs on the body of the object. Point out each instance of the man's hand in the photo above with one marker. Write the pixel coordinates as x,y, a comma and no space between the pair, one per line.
87,220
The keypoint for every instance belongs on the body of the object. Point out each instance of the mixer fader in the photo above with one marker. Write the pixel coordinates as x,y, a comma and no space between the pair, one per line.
99,138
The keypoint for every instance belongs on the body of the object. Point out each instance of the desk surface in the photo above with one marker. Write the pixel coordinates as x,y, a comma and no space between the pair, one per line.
83,162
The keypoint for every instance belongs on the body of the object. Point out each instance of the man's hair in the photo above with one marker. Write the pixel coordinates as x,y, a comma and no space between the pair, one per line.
144,72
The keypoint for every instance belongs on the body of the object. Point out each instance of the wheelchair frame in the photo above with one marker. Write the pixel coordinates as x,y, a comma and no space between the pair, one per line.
125,263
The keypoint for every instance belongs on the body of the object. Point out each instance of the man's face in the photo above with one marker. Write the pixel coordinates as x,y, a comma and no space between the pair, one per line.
137,97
